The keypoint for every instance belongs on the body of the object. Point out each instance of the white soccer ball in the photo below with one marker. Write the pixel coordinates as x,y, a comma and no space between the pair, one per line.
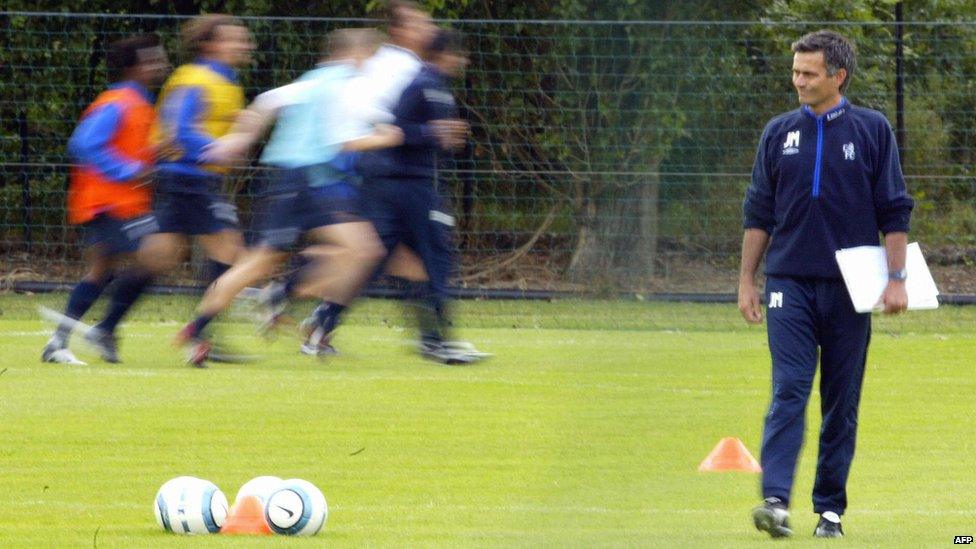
296,508
190,505
262,487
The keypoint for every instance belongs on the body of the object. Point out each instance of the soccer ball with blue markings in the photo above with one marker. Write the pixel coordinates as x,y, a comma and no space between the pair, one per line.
296,508
190,505
261,487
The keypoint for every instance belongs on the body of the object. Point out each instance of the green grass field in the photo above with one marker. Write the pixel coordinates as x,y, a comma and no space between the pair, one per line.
586,429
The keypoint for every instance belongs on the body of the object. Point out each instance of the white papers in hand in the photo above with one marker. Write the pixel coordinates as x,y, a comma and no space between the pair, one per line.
865,272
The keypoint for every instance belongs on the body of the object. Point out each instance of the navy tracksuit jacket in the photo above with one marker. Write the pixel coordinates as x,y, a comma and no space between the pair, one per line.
400,192
819,184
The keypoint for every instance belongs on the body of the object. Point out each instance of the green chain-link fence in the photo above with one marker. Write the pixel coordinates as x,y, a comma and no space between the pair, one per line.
606,157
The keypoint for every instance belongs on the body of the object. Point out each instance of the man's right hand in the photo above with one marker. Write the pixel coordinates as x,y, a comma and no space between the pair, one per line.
451,133
749,304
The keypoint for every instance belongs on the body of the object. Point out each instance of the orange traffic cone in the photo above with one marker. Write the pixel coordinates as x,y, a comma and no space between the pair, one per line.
246,517
730,455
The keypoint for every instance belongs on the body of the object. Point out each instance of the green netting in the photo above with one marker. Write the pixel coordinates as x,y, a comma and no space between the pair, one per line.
605,158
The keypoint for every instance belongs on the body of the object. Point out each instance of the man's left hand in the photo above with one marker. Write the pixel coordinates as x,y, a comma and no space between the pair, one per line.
894,298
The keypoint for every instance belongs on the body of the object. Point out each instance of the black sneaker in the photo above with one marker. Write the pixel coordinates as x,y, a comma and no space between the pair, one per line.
772,517
103,342
829,526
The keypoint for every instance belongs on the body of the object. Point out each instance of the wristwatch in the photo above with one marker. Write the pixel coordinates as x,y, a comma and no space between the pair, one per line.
898,276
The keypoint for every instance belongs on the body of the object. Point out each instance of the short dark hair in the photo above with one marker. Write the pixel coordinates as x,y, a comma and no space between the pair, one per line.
447,40
201,29
123,54
838,52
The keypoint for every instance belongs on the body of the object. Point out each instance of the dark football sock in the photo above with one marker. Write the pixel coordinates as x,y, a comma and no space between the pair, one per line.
199,323
442,317
292,281
127,290
82,297
327,315
420,299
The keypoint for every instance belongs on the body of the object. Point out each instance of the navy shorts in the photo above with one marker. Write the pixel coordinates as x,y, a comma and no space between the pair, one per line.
114,236
200,211
293,205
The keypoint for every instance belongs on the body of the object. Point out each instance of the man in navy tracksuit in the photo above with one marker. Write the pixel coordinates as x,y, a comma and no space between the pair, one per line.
826,177
400,191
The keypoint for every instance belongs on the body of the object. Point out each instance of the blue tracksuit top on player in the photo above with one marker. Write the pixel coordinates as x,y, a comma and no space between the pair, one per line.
824,183
428,97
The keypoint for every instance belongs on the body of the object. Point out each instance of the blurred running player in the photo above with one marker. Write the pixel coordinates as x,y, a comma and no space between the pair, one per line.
401,197
405,220
375,94
197,105
308,193
108,194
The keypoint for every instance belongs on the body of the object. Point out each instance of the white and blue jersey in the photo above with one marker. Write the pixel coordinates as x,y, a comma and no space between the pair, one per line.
822,183
314,118
310,186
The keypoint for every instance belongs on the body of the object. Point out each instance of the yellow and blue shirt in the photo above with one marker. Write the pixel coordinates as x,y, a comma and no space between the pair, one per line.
197,104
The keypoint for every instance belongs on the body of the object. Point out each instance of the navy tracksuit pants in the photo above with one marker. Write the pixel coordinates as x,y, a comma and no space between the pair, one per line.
411,211
804,316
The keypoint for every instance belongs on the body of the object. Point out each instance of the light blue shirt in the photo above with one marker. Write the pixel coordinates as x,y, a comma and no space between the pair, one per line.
314,118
